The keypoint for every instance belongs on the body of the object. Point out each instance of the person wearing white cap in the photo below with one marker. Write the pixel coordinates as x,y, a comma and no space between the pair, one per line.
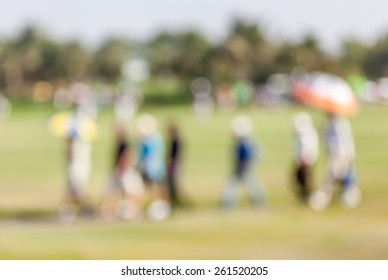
245,153
78,168
151,164
340,167
306,153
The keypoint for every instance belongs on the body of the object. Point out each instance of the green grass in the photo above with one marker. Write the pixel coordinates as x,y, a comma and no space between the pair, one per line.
32,181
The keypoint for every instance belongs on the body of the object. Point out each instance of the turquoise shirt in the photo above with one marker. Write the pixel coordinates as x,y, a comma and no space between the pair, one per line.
151,157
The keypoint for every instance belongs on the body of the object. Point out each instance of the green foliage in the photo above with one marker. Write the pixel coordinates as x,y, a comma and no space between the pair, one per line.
162,91
109,60
246,52
181,55
375,62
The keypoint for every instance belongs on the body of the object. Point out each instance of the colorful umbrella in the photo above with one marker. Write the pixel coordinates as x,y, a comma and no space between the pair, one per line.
73,124
327,92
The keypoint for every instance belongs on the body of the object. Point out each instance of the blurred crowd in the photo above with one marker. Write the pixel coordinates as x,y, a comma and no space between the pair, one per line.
144,179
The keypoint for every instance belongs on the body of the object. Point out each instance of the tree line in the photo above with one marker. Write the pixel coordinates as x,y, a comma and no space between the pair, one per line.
246,52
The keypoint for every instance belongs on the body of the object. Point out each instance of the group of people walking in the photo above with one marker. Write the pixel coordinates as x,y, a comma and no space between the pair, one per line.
137,170
144,181
340,167
340,161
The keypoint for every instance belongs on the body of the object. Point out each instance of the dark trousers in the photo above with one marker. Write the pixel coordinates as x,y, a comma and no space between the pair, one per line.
302,181
172,184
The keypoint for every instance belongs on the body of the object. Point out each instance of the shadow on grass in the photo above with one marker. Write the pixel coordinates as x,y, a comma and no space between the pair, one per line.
39,215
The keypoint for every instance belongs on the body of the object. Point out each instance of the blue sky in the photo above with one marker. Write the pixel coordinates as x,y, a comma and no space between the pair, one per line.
93,20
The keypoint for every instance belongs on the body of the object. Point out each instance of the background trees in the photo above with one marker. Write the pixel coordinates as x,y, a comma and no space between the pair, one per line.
246,52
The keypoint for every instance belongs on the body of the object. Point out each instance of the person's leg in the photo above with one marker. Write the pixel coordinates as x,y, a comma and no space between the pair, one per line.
173,191
255,189
171,184
349,181
67,208
306,182
300,175
351,194
159,190
133,202
321,198
230,193
111,198
159,207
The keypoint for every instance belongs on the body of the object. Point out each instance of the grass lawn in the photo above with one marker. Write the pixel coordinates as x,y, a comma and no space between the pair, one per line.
32,181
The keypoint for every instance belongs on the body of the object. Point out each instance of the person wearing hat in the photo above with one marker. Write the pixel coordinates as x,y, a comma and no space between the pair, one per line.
340,166
151,164
306,153
245,153
151,152
78,168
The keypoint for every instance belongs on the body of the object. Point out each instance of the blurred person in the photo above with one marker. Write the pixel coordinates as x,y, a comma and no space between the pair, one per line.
306,153
82,96
78,94
124,194
243,92
61,98
78,169
151,164
245,154
225,97
127,102
42,91
104,95
340,167
78,129
174,164
203,102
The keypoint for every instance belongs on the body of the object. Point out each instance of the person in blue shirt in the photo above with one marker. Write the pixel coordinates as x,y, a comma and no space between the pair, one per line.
151,164
151,158
245,154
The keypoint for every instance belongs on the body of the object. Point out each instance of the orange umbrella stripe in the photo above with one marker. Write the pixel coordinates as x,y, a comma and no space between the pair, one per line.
307,96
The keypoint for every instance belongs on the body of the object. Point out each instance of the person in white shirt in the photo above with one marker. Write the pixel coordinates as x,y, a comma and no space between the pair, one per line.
306,153
78,168
340,166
